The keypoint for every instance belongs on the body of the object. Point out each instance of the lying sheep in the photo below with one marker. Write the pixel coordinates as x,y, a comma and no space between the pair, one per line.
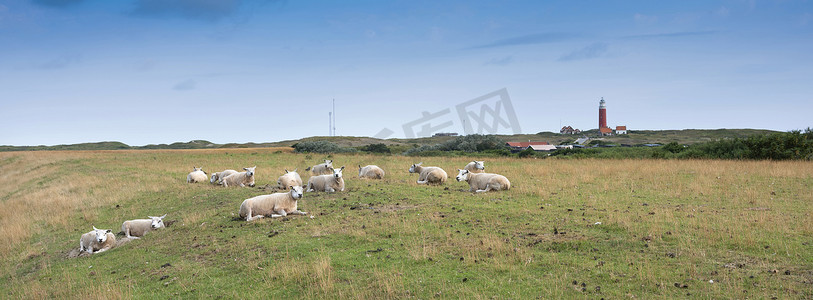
475,166
483,182
371,171
137,228
217,177
322,169
289,179
197,175
241,179
273,205
96,241
428,175
327,183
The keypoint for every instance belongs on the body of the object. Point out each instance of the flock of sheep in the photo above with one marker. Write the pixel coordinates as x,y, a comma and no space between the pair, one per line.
324,179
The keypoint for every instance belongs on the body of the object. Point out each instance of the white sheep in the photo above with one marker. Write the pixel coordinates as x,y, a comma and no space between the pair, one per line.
289,179
217,177
475,166
371,171
273,205
483,182
137,228
328,183
96,241
197,175
241,179
322,169
429,175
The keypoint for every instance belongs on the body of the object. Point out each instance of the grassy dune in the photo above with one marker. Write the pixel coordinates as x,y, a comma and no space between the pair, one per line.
666,229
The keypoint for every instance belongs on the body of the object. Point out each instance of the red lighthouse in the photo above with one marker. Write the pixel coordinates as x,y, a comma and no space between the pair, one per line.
602,115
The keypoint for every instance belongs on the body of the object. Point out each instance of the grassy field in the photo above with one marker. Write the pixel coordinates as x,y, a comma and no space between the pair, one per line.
567,229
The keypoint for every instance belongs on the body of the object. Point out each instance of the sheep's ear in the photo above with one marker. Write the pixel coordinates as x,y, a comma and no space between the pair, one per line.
108,231
286,171
420,163
359,167
94,228
245,169
150,217
296,169
342,169
163,216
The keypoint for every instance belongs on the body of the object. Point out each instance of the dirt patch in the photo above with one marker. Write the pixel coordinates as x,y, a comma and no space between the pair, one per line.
74,253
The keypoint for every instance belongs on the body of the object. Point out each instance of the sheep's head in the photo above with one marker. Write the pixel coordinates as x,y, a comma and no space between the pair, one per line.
329,163
250,171
157,222
294,171
412,168
296,191
214,178
195,169
462,175
359,170
101,234
479,165
338,173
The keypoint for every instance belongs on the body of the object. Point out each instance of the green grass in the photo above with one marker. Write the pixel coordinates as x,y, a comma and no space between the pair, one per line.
662,222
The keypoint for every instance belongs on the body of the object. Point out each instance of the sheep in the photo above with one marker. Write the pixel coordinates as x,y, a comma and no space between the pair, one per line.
217,177
134,229
240,179
197,175
327,183
429,175
475,166
97,241
322,169
289,179
371,171
273,205
483,182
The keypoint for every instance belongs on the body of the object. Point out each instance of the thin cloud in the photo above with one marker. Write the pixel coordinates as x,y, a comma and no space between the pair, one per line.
206,10
500,61
539,38
57,3
591,51
60,62
668,35
186,85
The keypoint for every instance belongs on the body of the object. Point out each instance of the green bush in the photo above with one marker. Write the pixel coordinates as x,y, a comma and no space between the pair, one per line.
376,148
320,147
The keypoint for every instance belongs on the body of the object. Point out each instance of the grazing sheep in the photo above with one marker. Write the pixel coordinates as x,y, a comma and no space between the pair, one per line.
322,169
289,179
475,166
217,177
327,183
371,171
240,179
483,182
96,241
429,175
197,175
137,228
273,205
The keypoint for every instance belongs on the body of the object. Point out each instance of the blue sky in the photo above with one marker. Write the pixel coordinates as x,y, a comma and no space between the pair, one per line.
159,71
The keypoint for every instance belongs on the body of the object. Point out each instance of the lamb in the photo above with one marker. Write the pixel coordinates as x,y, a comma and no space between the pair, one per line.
475,166
217,177
289,179
327,183
134,229
241,179
429,175
273,205
322,169
483,182
197,175
371,171
97,241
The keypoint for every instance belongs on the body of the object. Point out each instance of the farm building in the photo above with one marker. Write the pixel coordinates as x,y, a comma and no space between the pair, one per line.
605,131
620,129
519,146
542,148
